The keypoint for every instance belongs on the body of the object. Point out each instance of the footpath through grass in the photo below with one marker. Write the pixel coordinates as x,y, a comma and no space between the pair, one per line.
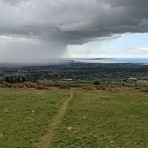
103,119
26,113
88,119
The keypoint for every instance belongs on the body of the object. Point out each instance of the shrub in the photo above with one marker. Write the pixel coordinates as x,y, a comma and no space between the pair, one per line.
144,90
88,87
6,84
97,82
29,84
64,87
18,85
41,87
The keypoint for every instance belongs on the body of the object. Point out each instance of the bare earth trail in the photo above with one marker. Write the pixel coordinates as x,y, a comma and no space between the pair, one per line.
45,141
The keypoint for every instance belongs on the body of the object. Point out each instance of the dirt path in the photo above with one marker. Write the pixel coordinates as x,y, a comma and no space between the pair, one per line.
40,92
45,141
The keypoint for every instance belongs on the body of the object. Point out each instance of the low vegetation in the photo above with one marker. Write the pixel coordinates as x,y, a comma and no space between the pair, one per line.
105,119
76,105
25,114
96,116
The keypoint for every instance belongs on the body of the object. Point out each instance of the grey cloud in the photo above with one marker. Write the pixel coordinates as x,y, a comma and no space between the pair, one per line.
83,18
58,23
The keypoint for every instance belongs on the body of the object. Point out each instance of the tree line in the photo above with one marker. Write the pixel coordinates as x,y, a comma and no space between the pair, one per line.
19,79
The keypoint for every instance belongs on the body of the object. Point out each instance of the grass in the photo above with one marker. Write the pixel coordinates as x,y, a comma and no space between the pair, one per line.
93,118
143,84
80,82
99,119
25,115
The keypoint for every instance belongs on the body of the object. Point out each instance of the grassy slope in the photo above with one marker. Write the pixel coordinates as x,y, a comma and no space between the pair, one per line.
25,115
98,119
94,119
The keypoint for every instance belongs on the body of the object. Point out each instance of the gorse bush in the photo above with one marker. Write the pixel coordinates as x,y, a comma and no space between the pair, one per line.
97,82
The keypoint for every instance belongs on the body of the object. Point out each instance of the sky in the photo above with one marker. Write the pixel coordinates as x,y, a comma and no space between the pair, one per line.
39,31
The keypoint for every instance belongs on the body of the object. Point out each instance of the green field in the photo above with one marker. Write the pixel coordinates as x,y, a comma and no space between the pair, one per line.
61,118
76,82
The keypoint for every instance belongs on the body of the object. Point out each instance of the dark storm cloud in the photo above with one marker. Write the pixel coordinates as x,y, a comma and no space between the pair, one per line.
73,21
58,23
